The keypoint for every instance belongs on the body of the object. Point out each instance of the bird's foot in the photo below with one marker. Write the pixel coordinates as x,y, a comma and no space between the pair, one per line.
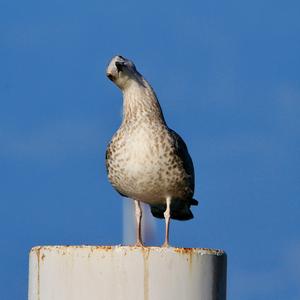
139,244
165,245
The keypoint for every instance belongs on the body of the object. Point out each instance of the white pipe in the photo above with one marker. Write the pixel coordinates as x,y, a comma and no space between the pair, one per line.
126,273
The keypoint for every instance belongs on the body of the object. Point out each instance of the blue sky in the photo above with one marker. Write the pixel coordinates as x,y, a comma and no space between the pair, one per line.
228,78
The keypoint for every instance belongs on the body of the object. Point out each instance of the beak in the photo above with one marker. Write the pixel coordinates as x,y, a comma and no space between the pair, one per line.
110,76
120,65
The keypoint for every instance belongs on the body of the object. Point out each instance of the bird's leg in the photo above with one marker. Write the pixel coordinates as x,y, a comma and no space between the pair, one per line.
167,215
138,216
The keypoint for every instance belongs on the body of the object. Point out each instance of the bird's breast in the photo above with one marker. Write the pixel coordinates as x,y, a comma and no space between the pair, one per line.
139,153
142,165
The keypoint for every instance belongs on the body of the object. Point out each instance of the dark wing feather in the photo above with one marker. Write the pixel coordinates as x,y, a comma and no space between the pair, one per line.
180,210
182,152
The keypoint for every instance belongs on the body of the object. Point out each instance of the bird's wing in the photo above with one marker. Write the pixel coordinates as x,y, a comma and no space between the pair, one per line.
182,151
107,155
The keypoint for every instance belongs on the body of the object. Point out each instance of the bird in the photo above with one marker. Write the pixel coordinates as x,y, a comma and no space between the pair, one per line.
146,160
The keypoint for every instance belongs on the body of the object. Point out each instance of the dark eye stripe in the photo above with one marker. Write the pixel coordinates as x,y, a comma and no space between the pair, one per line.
120,56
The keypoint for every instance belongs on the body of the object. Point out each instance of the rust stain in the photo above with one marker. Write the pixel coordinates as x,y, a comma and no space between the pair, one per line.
191,252
145,252
37,251
201,251
59,247
190,261
184,250
106,248
64,249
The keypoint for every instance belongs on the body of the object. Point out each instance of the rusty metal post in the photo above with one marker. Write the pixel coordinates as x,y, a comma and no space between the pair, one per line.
126,273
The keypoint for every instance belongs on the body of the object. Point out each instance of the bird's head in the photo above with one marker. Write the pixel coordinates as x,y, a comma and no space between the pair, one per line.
122,72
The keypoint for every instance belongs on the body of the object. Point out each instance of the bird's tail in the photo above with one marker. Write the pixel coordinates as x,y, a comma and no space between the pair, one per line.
180,210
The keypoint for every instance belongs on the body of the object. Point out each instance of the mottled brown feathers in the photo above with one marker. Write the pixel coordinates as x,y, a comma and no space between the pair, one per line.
148,161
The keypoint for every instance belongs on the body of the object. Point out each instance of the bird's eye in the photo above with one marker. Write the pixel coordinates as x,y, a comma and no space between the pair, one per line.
120,56
120,65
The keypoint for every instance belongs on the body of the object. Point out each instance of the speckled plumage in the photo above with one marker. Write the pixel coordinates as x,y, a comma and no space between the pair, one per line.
146,160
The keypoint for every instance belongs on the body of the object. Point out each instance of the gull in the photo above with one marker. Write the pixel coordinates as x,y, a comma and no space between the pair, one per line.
147,161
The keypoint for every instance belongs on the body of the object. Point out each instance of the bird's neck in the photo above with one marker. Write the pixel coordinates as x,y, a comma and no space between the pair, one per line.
141,103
